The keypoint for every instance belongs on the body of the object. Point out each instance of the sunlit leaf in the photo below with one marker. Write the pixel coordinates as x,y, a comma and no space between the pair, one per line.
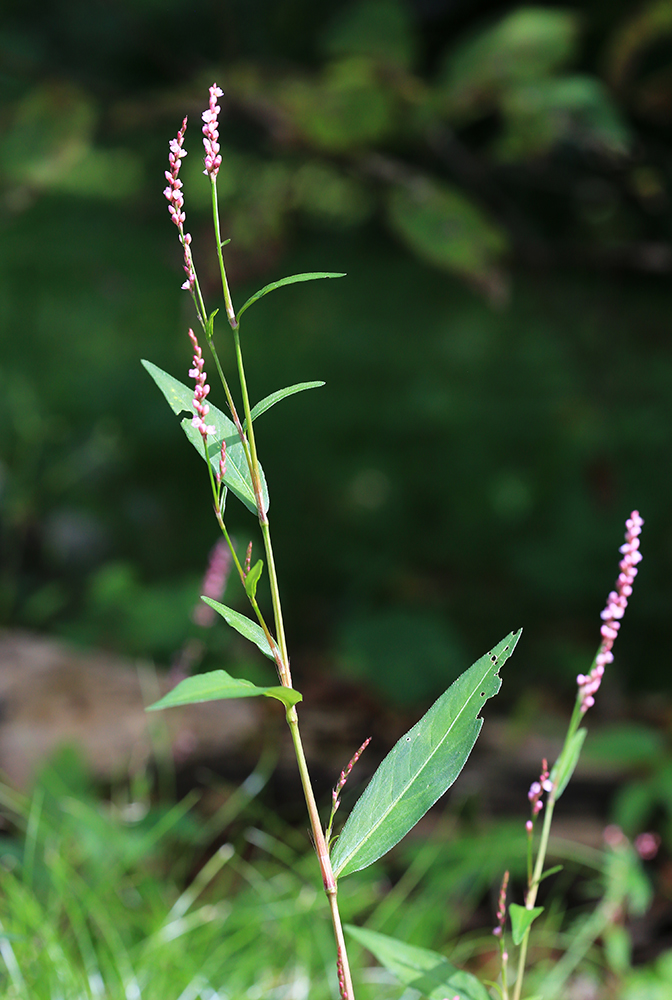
245,626
309,276
218,685
423,970
268,401
252,579
566,763
421,766
237,478
522,919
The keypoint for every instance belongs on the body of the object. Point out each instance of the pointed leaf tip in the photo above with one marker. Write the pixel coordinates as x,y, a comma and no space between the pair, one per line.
421,766
219,685
237,477
292,279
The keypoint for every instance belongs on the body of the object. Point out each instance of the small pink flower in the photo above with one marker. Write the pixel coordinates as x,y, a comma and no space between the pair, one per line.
213,159
617,602
646,845
537,788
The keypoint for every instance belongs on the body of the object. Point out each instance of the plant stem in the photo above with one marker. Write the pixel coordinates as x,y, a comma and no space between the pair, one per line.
263,515
533,883
531,896
322,851
222,270
248,441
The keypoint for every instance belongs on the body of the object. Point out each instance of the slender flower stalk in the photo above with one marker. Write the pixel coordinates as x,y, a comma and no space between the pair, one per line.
498,931
336,794
588,684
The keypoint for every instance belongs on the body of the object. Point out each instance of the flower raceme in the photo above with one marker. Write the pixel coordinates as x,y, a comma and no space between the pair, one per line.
617,602
213,159
173,193
200,392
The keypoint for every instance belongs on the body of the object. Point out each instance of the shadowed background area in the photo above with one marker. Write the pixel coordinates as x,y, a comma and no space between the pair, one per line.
495,181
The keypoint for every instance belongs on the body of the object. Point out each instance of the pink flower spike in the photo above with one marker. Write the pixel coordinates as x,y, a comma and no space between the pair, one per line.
213,159
201,390
617,601
176,204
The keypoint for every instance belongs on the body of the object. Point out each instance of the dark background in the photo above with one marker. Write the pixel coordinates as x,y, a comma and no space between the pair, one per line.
495,180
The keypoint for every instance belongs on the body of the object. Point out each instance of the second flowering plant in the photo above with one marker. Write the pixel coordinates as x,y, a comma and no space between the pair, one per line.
427,760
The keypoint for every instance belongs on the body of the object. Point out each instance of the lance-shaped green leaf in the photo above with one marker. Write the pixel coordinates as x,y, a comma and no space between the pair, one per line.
522,919
218,685
421,766
424,970
268,401
308,276
253,578
247,628
237,477
564,767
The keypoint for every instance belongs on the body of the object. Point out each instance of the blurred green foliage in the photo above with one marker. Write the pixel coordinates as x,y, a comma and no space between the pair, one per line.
494,179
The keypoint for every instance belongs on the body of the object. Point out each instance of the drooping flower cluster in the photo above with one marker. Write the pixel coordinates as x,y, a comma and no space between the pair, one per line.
176,202
200,392
214,582
611,616
213,160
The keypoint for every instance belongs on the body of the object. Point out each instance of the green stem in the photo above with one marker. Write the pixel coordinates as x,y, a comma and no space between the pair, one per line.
531,896
322,851
257,610
249,445
263,515
230,312
533,883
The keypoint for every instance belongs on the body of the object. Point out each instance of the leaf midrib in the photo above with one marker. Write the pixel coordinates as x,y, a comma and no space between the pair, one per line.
393,803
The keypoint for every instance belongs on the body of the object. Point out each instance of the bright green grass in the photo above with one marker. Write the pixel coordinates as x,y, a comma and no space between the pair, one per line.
120,901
